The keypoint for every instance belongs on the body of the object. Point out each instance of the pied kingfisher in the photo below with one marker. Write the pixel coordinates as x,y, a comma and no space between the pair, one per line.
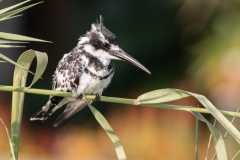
87,69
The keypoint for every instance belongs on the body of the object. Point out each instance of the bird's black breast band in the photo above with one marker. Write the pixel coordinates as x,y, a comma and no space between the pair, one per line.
96,76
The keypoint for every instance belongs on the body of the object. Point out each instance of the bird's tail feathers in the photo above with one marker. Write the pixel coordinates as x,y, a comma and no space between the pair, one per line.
42,113
51,106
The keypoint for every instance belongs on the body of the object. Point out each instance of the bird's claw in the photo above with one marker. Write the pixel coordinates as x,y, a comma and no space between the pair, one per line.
97,97
80,96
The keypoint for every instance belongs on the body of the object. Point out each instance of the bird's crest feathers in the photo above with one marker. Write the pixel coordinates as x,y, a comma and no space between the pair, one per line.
98,26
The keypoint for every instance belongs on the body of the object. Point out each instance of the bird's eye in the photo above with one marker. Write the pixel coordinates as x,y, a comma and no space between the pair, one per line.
106,46
113,41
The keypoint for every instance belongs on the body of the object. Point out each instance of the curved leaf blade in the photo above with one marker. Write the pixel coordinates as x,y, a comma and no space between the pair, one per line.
11,13
12,7
218,139
9,46
42,60
19,80
10,17
161,95
108,129
218,115
12,36
8,41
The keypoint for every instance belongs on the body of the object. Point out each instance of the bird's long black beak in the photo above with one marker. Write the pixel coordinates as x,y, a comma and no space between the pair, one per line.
119,53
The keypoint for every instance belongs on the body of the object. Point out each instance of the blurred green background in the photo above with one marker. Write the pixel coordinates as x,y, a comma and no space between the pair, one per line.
186,44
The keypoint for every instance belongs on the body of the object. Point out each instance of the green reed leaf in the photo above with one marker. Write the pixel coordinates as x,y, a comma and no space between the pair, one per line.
108,129
11,13
8,41
17,37
226,133
6,18
19,80
12,7
209,141
218,139
161,95
42,60
10,46
9,140
217,114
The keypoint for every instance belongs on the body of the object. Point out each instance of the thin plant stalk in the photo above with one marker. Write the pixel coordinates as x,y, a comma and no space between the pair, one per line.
196,139
215,155
9,140
234,158
111,99
210,139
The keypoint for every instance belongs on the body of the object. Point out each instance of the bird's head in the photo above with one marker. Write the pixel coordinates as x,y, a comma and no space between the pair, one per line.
102,43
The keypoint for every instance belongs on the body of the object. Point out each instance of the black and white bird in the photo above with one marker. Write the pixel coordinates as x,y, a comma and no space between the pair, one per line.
87,69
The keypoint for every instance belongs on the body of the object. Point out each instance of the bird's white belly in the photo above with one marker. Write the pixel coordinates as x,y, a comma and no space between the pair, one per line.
90,85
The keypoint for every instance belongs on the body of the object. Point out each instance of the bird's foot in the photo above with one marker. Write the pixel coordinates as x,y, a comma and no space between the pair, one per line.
97,98
80,96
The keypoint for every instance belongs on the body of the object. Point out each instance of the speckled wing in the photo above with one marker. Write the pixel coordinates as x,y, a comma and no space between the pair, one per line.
67,73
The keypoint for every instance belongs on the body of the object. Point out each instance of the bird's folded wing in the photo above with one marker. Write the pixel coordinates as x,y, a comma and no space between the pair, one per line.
72,108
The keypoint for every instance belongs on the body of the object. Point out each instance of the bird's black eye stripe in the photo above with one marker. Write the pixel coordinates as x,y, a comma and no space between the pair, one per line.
105,46
113,40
